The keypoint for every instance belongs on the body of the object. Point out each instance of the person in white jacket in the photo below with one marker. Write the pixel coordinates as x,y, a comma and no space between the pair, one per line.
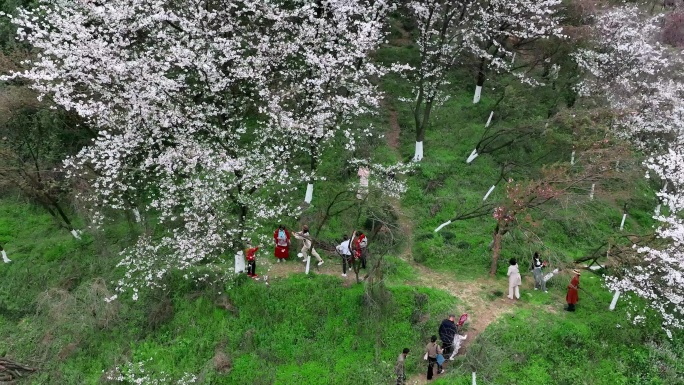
514,279
307,245
344,249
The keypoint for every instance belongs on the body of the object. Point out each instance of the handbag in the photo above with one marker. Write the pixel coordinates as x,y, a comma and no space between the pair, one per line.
425,357
440,359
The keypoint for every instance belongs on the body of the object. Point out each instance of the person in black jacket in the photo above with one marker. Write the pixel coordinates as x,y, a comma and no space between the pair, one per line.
447,331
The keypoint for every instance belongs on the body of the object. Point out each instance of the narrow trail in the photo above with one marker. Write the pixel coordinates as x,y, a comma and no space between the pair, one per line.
476,296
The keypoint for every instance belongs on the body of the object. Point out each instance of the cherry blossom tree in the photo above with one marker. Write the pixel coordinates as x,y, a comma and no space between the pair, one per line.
641,81
501,28
633,72
325,80
441,26
492,30
201,111
658,276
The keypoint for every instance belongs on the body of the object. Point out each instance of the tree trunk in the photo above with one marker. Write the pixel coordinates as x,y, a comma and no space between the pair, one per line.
496,250
308,197
480,81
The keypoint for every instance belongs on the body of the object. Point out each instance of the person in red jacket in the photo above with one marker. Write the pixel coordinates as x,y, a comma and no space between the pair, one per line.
573,291
282,243
360,247
250,253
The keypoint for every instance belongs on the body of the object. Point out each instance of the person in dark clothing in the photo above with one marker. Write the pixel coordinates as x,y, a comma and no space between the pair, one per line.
447,331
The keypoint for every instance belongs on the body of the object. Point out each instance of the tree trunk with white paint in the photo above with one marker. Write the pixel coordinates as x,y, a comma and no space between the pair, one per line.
136,213
4,256
489,120
614,301
474,379
622,224
591,194
308,264
419,152
76,234
480,80
550,275
442,226
572,159
309,193
472,156
239,262
488,192
477,95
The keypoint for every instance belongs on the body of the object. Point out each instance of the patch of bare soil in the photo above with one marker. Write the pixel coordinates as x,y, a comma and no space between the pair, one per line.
332,265
392,135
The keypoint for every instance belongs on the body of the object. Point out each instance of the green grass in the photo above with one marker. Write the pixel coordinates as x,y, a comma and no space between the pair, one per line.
313,329
591,346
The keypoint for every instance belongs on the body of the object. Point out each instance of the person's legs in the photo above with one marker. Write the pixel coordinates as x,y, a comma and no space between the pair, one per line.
251,268
517,292
305,253
543,283
344,264
431,364
537,278
510,291
315,254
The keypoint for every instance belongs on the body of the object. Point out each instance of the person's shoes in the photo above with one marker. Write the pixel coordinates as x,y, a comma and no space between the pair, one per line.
344,274
441,371
320,263
535,288
546,291
278,260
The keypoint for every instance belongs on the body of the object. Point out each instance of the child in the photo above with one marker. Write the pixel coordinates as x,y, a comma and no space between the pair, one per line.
250,252
282,243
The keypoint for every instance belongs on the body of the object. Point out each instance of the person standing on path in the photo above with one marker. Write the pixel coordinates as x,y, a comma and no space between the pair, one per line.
345,251
399,367
447,331
361,247
537,265
514,279
573,291
307,245
250,253
432,349
282,243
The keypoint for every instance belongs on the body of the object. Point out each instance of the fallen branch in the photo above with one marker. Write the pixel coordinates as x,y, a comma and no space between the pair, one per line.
10,370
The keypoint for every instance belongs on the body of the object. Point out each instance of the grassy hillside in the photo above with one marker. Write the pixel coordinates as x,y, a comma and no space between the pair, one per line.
321,329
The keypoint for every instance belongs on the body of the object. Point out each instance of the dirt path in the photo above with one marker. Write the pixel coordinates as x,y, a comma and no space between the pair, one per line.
478,301
394,132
